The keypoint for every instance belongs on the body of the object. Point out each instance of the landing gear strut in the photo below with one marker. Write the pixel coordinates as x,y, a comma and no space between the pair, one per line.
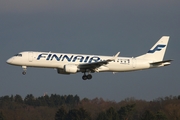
24,70
85,77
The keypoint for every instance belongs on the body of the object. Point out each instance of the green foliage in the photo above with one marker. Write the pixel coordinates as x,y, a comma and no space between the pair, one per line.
102,116
61,114
160,116
29,100
126,112
112,114
148,115
1,116
74,114
69,107
18,99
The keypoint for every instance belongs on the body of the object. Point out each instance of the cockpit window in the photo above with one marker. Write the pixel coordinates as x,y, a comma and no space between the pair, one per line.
20,55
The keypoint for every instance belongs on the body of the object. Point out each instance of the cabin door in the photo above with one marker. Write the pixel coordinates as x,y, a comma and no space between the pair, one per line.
30,56
134,62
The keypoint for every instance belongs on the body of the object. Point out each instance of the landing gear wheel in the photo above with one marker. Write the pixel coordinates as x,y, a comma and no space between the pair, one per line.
24,69
24,72
89,76
84,77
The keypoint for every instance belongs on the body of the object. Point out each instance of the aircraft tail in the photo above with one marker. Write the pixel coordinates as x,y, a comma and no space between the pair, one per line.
156,53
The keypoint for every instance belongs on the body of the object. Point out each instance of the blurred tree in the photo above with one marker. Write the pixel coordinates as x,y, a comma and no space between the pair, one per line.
29,99
61,114
84,114
173,110
148,115
18,99
126,112
112,114
102,116
76,99
2,116
78,114
73,115
160,116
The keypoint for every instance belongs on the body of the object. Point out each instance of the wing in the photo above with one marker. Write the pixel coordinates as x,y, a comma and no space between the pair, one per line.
94,65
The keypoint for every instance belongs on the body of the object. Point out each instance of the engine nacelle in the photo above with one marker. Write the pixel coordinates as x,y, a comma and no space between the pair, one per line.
61,71
70,68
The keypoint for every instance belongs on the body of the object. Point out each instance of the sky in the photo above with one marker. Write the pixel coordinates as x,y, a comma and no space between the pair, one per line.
100,27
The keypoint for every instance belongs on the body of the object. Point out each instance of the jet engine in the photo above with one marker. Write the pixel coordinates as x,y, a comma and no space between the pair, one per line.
70,68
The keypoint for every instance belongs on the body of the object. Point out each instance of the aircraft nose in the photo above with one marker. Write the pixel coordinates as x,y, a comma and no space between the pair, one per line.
9,61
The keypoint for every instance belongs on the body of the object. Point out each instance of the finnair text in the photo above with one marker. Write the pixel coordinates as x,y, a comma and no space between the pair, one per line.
69,58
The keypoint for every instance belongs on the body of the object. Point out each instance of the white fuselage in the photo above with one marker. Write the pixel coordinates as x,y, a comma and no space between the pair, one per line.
59,60
73,63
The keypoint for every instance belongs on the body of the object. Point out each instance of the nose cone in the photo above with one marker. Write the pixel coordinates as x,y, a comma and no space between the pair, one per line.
9,61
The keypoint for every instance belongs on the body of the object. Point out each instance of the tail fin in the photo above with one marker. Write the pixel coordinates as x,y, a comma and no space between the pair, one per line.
156,53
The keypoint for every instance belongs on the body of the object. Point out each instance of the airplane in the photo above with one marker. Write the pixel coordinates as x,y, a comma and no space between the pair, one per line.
67,64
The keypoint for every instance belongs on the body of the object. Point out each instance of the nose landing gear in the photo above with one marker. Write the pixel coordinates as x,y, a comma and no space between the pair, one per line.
24,69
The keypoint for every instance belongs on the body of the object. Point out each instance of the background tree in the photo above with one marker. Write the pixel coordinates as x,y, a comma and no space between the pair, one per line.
78,114
84,114
102,116
1,116
29,99
61,114
160,116
73,115
148,115
18,99
126,112
112,114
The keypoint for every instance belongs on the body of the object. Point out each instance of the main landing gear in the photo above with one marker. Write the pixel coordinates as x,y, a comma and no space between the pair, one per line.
85,77
24,70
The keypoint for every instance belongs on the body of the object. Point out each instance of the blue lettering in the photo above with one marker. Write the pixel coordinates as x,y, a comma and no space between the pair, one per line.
94,59
86,59
68,58
56,57
80,58
43,55
48,56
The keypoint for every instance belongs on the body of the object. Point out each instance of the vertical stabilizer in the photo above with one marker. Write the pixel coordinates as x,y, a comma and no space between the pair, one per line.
156,53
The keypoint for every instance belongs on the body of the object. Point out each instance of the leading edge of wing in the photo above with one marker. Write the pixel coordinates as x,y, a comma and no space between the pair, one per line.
97,64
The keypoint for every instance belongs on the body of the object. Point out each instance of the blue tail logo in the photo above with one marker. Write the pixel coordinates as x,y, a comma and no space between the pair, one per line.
157,48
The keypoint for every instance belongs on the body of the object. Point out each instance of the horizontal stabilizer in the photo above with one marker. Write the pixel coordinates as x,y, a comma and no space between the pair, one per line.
162,63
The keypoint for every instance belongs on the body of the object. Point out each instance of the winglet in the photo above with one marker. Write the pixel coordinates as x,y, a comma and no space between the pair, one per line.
114,57
117,55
